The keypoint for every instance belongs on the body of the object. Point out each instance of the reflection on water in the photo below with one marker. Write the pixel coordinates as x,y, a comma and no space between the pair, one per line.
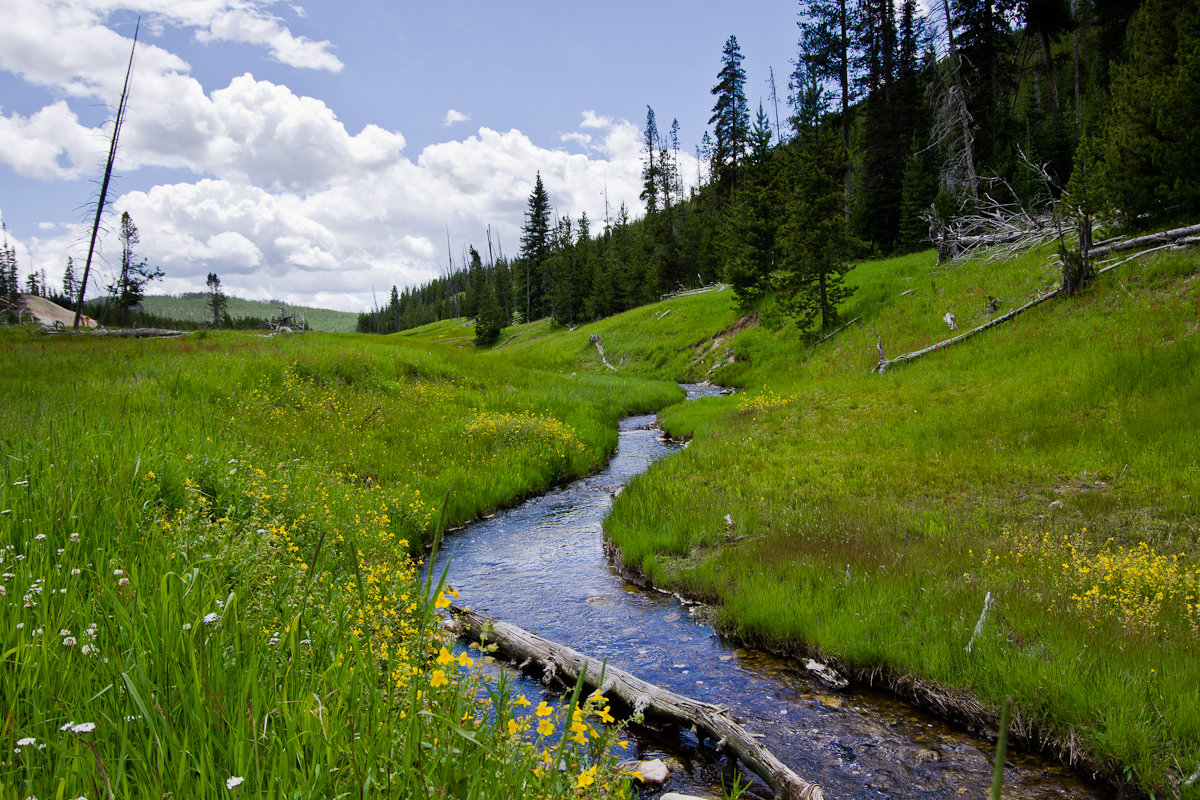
542,566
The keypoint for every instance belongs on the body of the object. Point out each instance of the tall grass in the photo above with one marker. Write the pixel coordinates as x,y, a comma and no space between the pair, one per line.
209,584
1051,462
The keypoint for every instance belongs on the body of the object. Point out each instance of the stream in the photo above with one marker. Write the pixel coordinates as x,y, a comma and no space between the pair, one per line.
541,565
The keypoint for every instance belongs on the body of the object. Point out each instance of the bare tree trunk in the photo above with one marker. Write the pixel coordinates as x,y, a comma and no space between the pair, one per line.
565,664
108,168
964,115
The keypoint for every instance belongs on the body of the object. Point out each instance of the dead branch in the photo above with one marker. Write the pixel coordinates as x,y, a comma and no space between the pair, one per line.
595,339
835,333
716,722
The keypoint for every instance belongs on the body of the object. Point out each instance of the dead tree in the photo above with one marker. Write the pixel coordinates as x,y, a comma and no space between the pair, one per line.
108,168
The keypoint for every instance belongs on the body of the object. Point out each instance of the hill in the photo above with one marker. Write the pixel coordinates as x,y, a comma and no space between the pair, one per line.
194,307
1013,515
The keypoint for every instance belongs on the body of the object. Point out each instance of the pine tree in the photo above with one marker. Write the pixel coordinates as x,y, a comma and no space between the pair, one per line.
1150,149
753,225
69,281
730,118
535,247
129,289
651,168
813,236
216,298
827,48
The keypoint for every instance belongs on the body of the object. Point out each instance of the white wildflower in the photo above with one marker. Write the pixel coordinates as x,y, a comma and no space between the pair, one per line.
234,782
74,537
26,742
83,727
41,537
118,572
123,582
187,626
69,641
211,617
75,571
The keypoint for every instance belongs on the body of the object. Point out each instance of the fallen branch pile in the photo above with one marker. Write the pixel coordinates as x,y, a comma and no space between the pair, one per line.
559,662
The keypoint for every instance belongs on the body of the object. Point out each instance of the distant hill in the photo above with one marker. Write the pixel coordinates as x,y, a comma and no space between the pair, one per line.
194,307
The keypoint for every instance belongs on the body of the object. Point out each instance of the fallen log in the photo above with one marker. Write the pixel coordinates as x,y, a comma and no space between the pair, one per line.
1150,240
138,333
595,339
562,663
885,362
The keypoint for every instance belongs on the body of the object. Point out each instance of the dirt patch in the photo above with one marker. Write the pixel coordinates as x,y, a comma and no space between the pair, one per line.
716,346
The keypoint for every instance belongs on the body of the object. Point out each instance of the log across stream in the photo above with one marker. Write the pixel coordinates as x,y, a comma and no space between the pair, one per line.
541,566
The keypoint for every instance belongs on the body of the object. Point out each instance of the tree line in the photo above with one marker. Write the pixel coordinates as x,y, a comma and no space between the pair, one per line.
894,122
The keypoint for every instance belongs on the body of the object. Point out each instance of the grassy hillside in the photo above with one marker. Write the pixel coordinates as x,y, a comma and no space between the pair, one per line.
198,309
207,576
1050,462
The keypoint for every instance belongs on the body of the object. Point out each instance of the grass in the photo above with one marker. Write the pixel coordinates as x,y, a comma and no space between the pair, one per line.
277,488
1051,462
209,550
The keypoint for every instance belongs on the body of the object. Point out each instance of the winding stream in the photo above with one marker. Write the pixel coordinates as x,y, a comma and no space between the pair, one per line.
542,566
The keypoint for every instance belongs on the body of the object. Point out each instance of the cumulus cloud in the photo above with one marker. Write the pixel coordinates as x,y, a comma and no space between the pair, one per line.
453,116
285,201
382,226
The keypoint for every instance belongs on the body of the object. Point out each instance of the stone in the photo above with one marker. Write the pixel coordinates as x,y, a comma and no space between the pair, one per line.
654,772
678,796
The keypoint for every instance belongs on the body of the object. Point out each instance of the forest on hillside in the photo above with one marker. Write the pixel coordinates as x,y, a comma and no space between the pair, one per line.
893,127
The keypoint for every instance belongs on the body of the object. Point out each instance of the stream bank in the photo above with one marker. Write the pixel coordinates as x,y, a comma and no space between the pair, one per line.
542,566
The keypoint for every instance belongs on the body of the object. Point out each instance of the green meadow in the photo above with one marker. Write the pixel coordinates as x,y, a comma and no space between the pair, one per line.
210,544
209,549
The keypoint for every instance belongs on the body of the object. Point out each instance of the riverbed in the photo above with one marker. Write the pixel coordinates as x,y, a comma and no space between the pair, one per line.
542,566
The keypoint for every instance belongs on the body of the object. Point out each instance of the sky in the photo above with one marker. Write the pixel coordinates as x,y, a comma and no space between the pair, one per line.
321,152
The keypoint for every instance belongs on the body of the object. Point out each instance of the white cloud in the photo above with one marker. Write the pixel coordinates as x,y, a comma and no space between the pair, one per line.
379,227
286,202
252,26
452,117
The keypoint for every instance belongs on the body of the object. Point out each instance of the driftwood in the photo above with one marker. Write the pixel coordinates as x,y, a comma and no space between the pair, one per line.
565,664
595,339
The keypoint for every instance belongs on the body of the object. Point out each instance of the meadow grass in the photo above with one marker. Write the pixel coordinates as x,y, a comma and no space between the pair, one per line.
210,554
1051,461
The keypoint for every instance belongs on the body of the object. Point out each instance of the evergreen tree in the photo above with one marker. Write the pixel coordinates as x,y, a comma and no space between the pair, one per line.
535,248
827,48
751,247
69,281
216,298
489,317
813,236
130,287
1150,148
651,168
730,118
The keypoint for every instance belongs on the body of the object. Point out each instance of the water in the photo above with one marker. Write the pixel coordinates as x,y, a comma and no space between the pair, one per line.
542,566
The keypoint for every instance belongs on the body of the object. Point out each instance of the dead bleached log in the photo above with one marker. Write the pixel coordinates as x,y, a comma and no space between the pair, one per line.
885,362
716,722
595,339
1150,240
138,333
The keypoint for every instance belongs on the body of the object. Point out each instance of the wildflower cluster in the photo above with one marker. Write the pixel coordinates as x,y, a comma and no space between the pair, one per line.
511,428
762,401
1138,588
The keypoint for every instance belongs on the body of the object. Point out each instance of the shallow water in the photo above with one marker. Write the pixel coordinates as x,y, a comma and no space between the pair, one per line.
542,566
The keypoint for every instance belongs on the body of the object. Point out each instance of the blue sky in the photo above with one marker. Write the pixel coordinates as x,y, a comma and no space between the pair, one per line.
320,151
